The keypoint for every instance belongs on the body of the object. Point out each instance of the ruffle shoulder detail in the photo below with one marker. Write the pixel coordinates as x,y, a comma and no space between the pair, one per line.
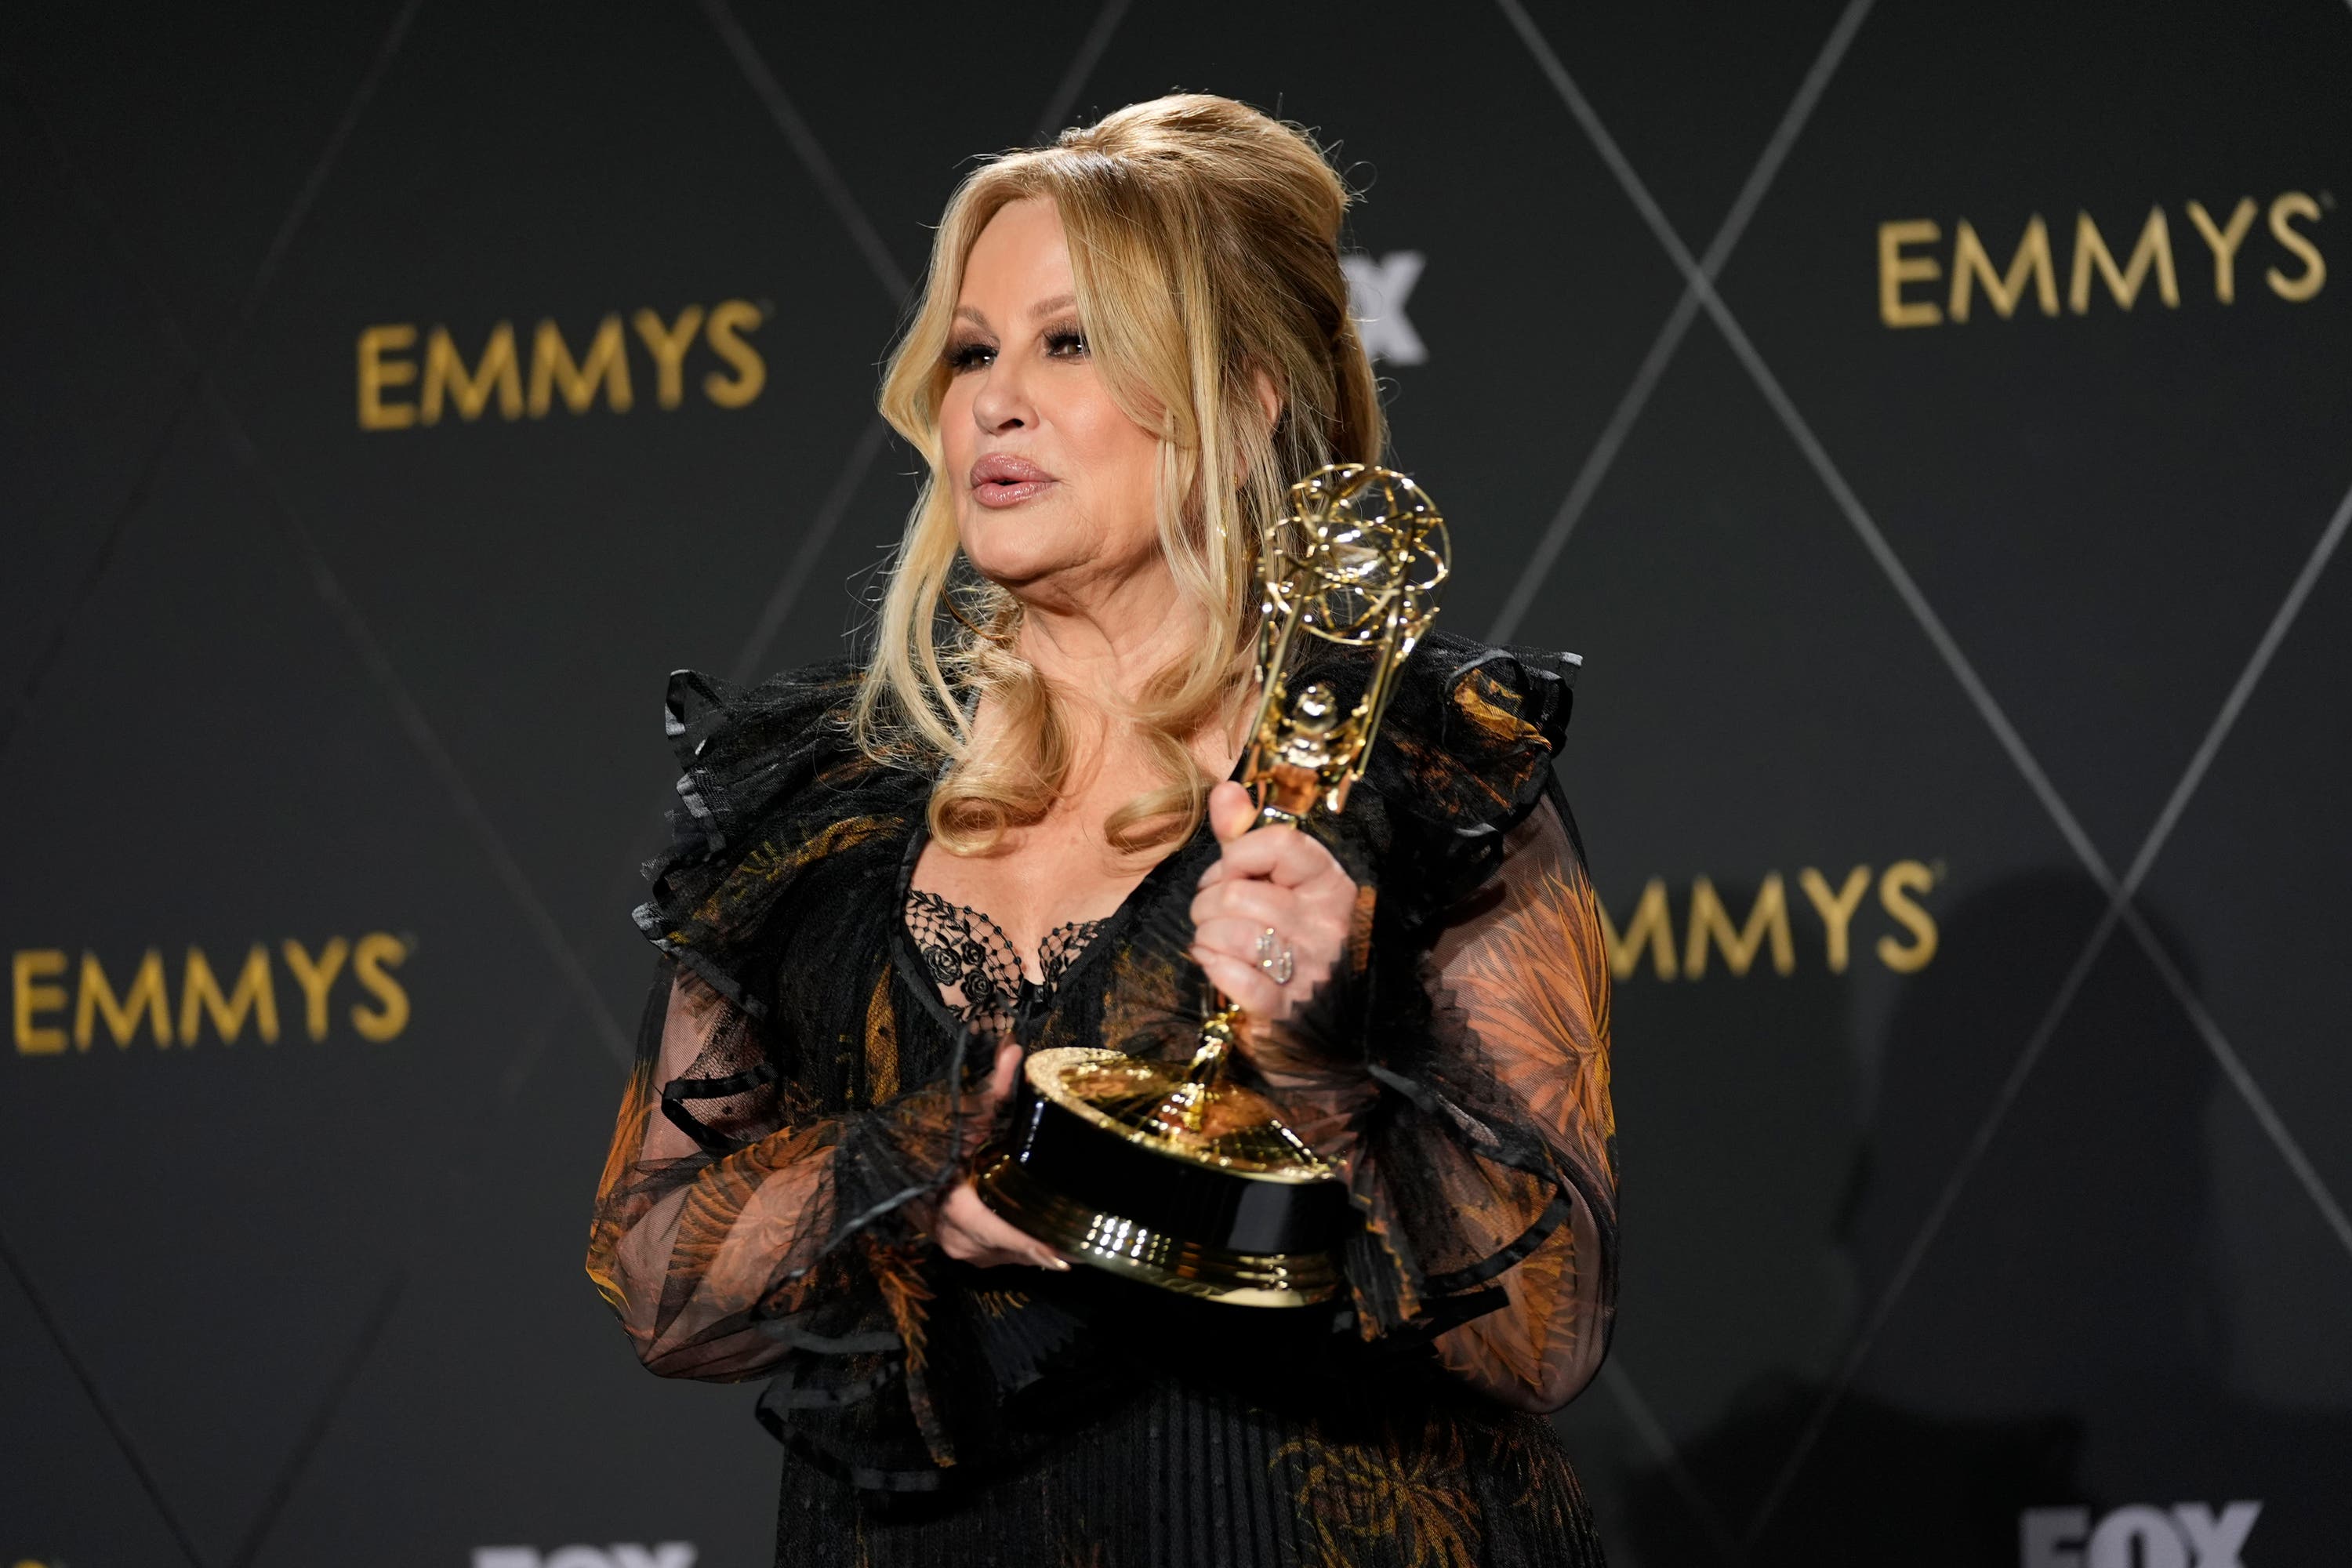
772,783
1464,755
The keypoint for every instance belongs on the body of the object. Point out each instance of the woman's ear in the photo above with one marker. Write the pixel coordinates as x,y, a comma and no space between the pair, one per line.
1267,398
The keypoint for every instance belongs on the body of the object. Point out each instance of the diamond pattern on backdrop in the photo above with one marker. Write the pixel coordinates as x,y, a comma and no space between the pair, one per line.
2120,911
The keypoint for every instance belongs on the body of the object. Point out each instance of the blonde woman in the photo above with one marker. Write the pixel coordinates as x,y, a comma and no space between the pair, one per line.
1006,831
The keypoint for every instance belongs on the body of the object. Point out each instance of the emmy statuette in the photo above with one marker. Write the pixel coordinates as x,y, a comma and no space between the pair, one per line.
1172,1172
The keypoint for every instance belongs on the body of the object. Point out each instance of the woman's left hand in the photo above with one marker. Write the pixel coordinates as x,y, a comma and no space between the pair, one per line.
1278,879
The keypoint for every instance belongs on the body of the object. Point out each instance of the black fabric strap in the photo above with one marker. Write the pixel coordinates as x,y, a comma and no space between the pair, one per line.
720,1088
1555,1214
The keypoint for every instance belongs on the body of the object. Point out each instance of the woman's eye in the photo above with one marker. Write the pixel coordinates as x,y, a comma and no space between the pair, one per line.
970,356
1066,342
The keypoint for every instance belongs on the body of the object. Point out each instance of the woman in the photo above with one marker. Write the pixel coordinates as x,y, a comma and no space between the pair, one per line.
1001,835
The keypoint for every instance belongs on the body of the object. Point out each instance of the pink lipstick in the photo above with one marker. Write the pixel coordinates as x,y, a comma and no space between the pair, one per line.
1001,480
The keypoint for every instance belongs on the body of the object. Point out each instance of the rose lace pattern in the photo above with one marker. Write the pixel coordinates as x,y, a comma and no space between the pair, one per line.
978,970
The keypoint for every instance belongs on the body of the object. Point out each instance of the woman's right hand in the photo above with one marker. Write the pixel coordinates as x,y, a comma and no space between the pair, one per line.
967,1229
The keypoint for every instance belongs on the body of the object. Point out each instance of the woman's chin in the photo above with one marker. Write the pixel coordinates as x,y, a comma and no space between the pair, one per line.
1019,546
1021,572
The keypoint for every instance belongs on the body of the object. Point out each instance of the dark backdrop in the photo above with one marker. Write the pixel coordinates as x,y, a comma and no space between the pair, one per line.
1962,744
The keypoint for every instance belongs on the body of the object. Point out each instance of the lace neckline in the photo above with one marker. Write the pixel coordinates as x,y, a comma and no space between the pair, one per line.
977,968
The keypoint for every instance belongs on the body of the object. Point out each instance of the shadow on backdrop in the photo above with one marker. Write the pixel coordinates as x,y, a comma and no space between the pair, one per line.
1738,1101
2063,1339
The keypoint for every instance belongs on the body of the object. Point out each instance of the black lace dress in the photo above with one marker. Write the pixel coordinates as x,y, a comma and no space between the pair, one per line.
805,1089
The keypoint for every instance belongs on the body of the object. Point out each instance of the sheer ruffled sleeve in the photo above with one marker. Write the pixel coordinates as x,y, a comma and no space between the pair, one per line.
729,1218
1482,1153
1460,1079
760,1194
1526,973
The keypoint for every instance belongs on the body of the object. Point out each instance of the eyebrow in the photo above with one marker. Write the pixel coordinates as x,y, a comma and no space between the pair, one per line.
1038,312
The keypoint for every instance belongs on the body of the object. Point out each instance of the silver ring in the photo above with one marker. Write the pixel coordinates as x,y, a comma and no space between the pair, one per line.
1274,958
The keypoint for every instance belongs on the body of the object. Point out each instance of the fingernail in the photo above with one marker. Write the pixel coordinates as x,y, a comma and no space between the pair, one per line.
1058,1265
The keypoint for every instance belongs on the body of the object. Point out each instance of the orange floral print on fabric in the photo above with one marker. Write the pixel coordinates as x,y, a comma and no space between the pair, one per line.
1386,1501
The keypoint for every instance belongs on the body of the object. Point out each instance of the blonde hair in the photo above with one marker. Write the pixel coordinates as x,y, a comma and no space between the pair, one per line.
1204,252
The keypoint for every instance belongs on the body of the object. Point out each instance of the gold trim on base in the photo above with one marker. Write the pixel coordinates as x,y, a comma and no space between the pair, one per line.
1122,1246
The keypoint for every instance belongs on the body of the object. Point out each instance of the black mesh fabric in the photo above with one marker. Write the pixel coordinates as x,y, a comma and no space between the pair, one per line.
803,1098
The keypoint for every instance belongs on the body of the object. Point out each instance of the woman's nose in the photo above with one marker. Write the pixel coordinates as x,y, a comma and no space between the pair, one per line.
1003,401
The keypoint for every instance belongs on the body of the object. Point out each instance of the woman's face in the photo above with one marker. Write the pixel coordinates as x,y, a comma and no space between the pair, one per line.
1053,482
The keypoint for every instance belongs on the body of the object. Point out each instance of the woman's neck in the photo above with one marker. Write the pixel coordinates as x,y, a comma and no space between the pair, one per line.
1102,648
1101,652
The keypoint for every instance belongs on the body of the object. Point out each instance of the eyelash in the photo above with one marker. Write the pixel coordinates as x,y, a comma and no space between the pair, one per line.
1061,343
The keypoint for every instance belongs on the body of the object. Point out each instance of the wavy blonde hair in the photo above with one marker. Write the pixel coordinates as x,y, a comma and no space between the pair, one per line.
1204,252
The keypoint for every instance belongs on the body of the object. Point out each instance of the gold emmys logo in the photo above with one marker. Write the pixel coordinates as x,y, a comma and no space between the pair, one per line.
53,1011
1708,928
388,364
1909,256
